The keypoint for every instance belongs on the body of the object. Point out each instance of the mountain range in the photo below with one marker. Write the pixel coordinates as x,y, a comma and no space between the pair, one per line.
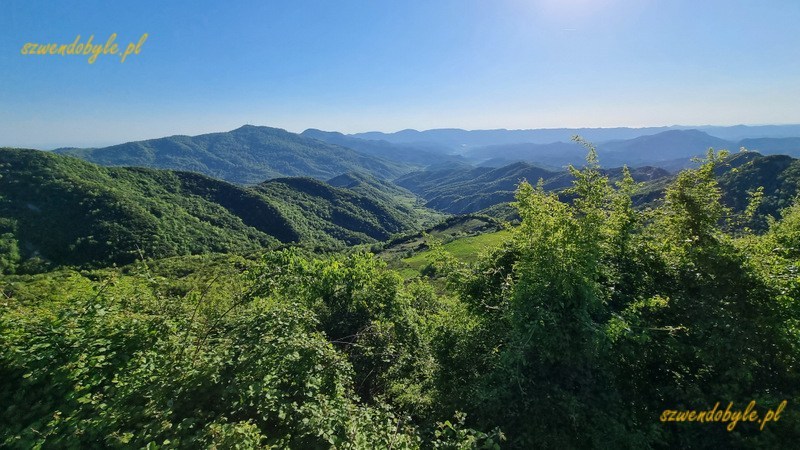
247,155
671,150
251,154
260,187
455,138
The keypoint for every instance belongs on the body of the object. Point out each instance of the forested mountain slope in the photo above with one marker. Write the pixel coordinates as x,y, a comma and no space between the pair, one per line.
778,175
466,190
326,213
61,210
249,154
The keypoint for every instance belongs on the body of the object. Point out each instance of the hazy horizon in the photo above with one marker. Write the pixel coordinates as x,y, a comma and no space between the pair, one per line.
99,144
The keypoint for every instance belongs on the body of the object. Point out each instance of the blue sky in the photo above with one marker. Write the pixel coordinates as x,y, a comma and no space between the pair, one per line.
356,66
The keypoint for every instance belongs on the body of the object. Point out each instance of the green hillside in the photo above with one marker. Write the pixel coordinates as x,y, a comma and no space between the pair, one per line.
464,190
740,174
327,214
57,210
247,155
407,203
778,175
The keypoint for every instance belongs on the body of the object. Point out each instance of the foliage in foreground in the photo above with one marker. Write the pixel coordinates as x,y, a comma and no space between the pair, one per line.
293,353
597,317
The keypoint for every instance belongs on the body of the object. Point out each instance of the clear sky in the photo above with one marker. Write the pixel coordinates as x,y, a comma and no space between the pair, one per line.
366,65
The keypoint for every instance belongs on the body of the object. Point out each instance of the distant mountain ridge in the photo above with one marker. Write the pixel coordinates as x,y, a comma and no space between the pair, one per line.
664,146
246,155
773,146
672,149
457,138
251,154
420,155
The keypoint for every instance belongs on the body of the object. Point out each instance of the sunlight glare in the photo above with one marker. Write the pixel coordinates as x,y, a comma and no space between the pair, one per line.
565,11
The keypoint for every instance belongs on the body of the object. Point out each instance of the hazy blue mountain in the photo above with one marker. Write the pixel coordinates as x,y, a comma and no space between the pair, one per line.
420,155
555,154
665,146
459,139
247,155
674,149
252,154
739,132
644,150
773,146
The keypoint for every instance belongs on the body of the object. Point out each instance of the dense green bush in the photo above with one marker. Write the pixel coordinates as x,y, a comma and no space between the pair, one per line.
597,317
293,353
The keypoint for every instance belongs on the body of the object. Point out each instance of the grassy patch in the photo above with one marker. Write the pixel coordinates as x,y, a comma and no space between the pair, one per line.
466,249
